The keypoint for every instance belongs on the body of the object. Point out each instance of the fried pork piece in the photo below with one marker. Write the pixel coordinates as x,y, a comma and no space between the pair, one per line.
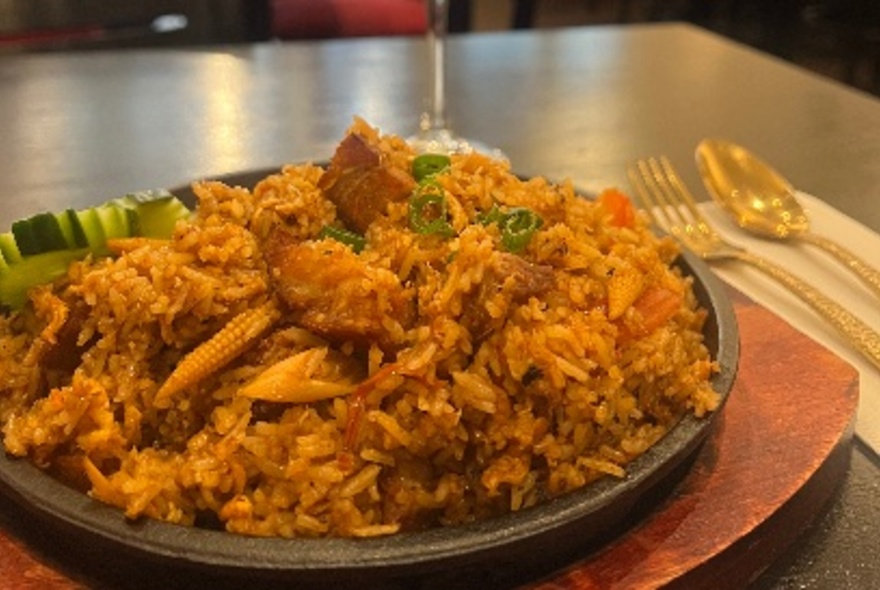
335,294
508,275
526,279
361,184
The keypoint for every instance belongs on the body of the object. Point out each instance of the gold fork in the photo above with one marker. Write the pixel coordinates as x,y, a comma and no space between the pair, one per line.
667,199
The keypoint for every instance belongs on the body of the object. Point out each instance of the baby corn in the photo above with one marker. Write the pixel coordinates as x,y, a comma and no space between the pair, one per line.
227,344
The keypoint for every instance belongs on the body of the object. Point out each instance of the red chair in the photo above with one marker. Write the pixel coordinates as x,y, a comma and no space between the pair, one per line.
319,19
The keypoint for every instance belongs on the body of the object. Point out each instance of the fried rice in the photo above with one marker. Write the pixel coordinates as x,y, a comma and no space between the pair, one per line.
256,375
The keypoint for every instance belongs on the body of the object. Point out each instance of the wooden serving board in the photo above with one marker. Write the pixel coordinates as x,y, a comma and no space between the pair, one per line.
781,446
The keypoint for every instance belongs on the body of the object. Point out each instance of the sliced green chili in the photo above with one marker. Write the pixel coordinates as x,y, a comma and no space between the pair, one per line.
426,165
518,227
427,210
354,241
493,215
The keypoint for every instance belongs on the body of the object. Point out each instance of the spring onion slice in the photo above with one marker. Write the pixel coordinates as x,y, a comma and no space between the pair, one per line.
518,227
426,165
427,210
493,215
354,241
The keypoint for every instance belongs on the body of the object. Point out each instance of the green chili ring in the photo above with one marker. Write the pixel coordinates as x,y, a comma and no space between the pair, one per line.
354,241
427,165
493,215
518,227
427,210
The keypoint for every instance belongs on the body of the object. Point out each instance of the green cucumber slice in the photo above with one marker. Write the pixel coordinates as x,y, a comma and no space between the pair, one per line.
38,234
157,213
72,229
116,221
40,248
9,249
16,279
91,226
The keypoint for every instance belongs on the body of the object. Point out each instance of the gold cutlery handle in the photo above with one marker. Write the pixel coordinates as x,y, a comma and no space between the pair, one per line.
860,335
867,273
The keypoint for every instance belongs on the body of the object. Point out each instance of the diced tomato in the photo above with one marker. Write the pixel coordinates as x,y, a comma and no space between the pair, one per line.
623,214
656,305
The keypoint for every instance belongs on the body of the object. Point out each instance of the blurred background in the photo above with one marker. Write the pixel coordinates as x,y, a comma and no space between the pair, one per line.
836,38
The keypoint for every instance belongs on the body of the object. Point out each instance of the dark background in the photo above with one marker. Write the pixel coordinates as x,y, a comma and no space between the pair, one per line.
836,38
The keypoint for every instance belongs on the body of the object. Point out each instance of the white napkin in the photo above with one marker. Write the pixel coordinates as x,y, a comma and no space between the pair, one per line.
817,268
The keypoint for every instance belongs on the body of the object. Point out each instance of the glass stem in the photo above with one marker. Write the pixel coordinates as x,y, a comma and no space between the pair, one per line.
438,16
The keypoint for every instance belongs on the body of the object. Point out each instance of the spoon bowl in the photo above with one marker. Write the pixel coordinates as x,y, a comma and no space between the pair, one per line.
763,202
758,197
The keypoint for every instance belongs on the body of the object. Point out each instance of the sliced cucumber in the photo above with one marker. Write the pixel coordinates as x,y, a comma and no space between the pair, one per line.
148,197
72,229
116,221
157,212
41,233
91,226
9,249
17,279
39,249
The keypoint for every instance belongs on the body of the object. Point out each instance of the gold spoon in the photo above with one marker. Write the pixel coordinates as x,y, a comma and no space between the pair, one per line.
764,203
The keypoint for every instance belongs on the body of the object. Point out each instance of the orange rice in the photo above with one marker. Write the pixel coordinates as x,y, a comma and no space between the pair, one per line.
476,401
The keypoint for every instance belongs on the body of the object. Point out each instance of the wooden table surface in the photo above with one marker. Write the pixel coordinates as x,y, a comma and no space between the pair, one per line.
76,129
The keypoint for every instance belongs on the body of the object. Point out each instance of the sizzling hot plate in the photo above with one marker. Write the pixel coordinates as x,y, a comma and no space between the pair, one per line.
512,547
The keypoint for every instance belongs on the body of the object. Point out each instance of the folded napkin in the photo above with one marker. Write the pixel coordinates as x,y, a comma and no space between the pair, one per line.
826,274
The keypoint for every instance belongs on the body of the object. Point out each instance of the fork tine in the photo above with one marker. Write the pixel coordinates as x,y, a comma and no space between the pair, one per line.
663,193
682,195
671,198
647,180
642,192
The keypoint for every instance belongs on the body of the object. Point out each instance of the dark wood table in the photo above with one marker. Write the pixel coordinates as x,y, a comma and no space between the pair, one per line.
76,129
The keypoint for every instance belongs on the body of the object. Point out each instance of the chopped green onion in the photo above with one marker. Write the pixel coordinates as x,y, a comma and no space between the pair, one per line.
426,165
427,210
518,227
493,215
349,238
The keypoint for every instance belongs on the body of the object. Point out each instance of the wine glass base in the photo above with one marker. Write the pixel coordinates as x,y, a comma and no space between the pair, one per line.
443,141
